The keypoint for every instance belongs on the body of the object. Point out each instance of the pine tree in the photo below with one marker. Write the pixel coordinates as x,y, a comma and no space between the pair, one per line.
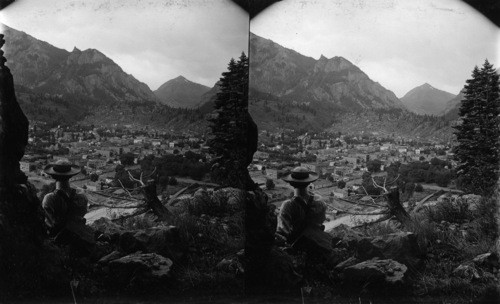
477,152
229,126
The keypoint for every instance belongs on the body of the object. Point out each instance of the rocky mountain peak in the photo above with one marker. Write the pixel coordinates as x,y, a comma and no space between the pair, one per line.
334,64
181,93
180,78
426,99
88,56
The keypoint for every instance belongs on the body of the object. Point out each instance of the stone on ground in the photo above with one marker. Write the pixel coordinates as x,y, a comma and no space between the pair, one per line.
375,271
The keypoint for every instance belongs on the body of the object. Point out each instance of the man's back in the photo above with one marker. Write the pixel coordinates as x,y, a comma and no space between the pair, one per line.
291,218
61,208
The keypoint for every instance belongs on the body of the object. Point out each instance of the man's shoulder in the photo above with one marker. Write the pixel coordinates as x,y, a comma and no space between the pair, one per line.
80,195
293,203
49,198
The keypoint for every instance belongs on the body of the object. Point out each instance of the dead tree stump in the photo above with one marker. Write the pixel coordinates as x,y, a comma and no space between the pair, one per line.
155,204
395,208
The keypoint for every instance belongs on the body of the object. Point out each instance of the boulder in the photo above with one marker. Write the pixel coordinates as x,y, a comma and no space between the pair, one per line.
377,272
472,201
106,227
279,272
201,195
401,247
231,265
467,271
140,269
345,236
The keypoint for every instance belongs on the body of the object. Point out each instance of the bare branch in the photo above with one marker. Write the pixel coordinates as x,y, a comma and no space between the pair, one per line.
366,192
360,203
376,221
138,212
378,186
394,180
171,200
123,187
419,205
116,196
94,204
135,179
361,213
151,174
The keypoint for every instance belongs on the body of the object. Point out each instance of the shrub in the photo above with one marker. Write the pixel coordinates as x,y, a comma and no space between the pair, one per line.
341,184
419,188
94,177
453,212
486,217
222,202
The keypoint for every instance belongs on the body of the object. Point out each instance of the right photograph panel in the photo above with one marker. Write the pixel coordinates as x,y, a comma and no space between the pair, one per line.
378,148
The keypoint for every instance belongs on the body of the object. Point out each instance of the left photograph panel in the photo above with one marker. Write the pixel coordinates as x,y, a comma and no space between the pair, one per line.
122,132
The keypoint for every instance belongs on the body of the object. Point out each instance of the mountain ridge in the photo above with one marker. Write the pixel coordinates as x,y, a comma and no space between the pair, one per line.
44,68
286,73
291,91
84,86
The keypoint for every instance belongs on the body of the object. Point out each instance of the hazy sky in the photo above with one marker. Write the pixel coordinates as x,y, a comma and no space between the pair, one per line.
154,40
399,43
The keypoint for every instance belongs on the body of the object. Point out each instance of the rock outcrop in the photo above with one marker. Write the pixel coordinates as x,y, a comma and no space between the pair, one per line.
377,272
161,240
13,128
401,247
140,270
23,252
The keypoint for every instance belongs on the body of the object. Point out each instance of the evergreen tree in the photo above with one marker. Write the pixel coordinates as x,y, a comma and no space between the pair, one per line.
229,126
477,152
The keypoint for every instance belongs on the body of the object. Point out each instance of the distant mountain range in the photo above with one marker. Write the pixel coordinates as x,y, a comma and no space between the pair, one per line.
291,91
426,99
44,68
53,80
287,90
285,73
181,93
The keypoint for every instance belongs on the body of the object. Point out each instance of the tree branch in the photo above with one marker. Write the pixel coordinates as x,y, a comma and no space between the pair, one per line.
138,212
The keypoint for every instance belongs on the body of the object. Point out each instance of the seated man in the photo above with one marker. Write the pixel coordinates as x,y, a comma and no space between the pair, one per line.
65,209
300,220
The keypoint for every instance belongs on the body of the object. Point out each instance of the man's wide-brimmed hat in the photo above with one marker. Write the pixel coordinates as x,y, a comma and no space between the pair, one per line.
301,175
62,168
